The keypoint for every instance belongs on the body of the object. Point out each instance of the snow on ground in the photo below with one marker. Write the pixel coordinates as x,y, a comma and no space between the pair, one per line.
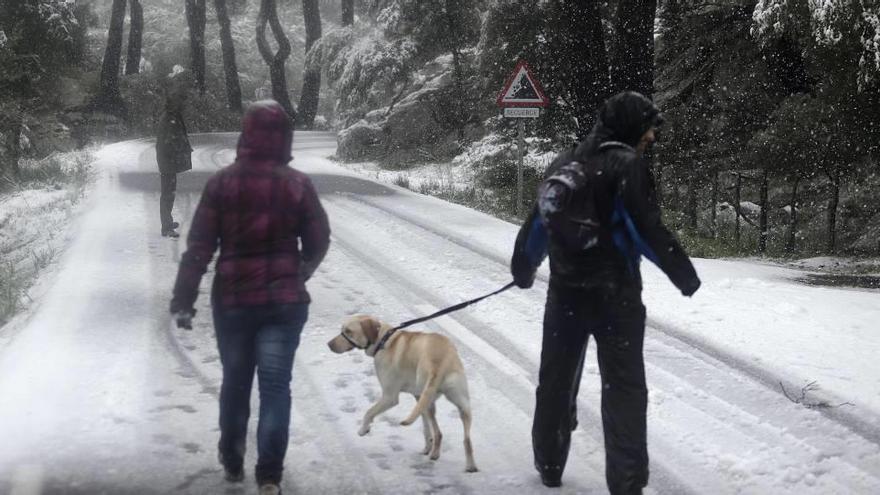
752,310
438,176
35,225
107,396
838,264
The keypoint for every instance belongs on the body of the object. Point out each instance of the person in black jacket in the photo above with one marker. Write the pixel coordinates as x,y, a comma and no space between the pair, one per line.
173,152
597,215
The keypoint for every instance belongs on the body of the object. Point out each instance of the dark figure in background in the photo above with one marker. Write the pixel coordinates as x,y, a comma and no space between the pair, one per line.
173,152
258,211
597,215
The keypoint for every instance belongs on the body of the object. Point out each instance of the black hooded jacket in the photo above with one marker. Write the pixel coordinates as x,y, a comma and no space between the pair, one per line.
616,182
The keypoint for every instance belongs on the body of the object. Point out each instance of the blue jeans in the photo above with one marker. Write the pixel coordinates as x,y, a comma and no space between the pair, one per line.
264,338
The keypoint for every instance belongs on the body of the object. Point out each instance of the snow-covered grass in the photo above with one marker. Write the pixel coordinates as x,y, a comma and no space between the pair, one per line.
35,211
482,177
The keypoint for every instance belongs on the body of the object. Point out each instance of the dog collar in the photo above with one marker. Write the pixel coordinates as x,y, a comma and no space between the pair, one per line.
384,340
352,342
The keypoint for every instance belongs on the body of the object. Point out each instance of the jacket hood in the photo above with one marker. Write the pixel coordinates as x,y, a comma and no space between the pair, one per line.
266,133
624,117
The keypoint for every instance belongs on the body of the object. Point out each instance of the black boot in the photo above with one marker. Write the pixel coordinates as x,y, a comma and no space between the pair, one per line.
551,476
232,472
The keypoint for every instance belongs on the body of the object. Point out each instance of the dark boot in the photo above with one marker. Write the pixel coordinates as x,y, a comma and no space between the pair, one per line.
551,476
232,472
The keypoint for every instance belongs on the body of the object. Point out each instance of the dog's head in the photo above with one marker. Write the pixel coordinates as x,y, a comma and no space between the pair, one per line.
358,332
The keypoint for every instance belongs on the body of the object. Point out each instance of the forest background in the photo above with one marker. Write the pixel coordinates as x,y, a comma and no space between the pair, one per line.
770,148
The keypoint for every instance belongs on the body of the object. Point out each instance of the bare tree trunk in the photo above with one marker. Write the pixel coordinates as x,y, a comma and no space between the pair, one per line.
736,207
347,12
311,90
674,193
765,207
461,112
10,127
230,68
196,18
135,38
632,66
109,99
714,205
833,202
792,222
269,15
692,201
658,180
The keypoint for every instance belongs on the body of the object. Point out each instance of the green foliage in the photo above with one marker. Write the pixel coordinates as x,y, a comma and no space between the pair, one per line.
434,27
36,37
842,34
778,88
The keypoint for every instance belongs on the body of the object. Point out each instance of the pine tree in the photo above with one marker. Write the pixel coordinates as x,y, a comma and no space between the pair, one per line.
135,38
109,99
196,18
308,103
230,68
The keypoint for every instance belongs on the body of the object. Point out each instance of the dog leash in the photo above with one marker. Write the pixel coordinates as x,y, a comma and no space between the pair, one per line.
451,309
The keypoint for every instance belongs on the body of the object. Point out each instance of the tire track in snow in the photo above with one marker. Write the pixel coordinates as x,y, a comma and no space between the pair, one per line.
789,422
514,363
866,426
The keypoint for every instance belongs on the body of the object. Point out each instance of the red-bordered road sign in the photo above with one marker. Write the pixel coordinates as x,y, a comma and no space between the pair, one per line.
522,89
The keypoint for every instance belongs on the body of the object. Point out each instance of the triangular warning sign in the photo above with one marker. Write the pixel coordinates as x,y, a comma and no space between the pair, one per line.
522,89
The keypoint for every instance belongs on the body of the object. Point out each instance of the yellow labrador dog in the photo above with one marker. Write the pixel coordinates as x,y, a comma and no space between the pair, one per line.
421,364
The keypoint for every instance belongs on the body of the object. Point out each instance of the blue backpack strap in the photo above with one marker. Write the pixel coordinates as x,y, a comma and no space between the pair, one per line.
536,242
627,238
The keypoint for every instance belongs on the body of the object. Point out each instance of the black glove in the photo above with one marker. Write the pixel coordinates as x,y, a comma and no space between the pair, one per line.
523,273
184,318
691,287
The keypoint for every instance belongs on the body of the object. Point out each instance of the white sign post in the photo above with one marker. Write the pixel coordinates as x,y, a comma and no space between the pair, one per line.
521,98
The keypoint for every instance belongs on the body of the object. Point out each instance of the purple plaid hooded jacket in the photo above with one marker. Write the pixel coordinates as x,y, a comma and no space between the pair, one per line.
257,210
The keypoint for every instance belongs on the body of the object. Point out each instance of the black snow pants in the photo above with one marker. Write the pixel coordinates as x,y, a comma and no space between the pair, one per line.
166,200
617,322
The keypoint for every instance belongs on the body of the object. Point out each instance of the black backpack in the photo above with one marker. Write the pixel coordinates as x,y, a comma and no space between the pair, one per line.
576,226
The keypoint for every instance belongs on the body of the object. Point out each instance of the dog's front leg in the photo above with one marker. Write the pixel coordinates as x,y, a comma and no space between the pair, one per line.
385,403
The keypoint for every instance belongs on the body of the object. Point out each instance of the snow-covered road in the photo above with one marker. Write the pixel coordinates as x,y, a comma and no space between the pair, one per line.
100,394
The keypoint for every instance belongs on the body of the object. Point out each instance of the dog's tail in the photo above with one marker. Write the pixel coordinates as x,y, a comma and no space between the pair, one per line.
425,399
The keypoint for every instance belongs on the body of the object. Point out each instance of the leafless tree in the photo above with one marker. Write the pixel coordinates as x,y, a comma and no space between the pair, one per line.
230,68
269,15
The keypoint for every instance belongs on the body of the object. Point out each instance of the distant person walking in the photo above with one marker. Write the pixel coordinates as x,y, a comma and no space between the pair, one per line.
597,216
258,211
173,152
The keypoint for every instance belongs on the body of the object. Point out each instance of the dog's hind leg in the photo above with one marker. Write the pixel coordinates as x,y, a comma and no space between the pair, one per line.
459,396
436,436
385,403
426,429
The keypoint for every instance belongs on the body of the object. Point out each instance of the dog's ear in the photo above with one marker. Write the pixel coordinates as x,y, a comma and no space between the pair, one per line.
370,326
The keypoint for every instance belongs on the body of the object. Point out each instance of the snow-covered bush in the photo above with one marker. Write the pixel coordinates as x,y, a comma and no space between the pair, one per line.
366,69
848,29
